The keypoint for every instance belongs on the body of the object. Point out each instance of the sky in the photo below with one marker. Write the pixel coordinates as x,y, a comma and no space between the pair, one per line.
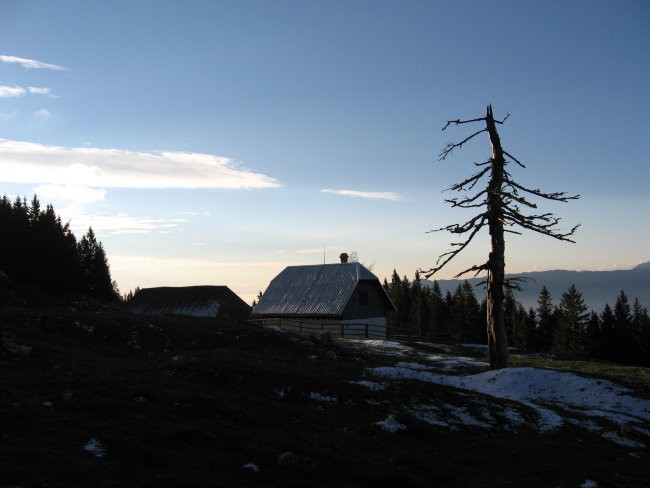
217,142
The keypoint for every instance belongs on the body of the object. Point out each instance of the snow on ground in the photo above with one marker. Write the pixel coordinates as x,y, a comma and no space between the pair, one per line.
391,424
449,363
96,448
322,398
387,348
557,398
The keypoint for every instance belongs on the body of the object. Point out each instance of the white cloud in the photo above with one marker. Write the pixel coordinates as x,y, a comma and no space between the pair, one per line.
11,91
30,63
43,113
26,162
76,194
35,90
115,224
372,195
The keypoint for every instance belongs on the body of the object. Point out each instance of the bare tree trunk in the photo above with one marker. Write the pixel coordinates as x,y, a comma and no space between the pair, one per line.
506,203
496,329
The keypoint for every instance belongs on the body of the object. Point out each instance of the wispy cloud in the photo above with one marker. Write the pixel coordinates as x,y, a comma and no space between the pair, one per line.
36,90
31,63
121,223
26,162
371,195
43,113
78,194
11,91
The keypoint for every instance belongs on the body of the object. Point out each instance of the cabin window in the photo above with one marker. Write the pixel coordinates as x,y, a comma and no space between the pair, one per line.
363,297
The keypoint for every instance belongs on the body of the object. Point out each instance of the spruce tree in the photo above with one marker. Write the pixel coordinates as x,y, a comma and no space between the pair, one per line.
546,320
95,274
568,342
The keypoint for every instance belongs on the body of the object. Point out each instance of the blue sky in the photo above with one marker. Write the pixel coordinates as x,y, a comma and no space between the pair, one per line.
216,142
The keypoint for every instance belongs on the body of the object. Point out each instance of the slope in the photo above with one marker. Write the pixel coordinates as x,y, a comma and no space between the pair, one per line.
95,396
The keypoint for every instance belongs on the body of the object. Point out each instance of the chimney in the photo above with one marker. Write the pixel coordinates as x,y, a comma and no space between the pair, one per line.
344,257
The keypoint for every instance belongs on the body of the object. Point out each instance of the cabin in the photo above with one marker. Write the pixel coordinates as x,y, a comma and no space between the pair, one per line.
194,301
344,299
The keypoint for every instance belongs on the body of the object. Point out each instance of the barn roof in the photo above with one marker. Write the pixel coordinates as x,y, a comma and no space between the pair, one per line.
196,301
323,289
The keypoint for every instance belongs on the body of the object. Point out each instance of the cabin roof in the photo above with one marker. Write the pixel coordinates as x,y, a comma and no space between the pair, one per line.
196,301
320,290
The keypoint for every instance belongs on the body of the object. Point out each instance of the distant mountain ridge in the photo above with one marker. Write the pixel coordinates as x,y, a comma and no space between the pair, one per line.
597,287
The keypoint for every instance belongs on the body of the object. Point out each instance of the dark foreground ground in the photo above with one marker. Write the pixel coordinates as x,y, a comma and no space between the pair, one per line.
96,397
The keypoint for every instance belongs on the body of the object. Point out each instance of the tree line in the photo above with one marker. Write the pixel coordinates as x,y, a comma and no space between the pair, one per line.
36,247
568,329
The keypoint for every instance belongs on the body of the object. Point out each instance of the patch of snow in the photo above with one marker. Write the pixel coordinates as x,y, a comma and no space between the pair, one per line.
391,424
48,404
388,348
96,448
429,414
453,362
465,417
410,365
252,466
281,392
371,385
286,457
513,416
614,437
322,398
589,484
540,388
140,399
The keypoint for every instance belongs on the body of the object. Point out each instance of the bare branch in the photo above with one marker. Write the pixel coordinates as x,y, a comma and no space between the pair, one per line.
514,282
514,158
459,246
559,196
451,146
458,122
467,202
476,269
472,180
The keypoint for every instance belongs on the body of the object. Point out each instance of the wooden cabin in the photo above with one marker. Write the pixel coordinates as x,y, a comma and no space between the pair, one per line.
344,299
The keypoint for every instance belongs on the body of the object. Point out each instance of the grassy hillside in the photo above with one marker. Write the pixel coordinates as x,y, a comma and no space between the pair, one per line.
94,396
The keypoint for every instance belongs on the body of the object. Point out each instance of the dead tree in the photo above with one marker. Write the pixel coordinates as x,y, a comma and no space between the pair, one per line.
505,206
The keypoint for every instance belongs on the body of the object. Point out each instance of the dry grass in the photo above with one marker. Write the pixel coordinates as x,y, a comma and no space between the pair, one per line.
189,402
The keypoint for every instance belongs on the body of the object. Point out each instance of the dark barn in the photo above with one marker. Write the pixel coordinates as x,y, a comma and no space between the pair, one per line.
195,301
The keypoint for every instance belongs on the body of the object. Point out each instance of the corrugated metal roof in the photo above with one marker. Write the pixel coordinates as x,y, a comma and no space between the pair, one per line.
323,289
197,301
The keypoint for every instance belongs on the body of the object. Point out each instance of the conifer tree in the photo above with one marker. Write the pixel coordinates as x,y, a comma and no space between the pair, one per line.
568,341
503,202
94,271
621,346
593,339
439,312
415,307
546,320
